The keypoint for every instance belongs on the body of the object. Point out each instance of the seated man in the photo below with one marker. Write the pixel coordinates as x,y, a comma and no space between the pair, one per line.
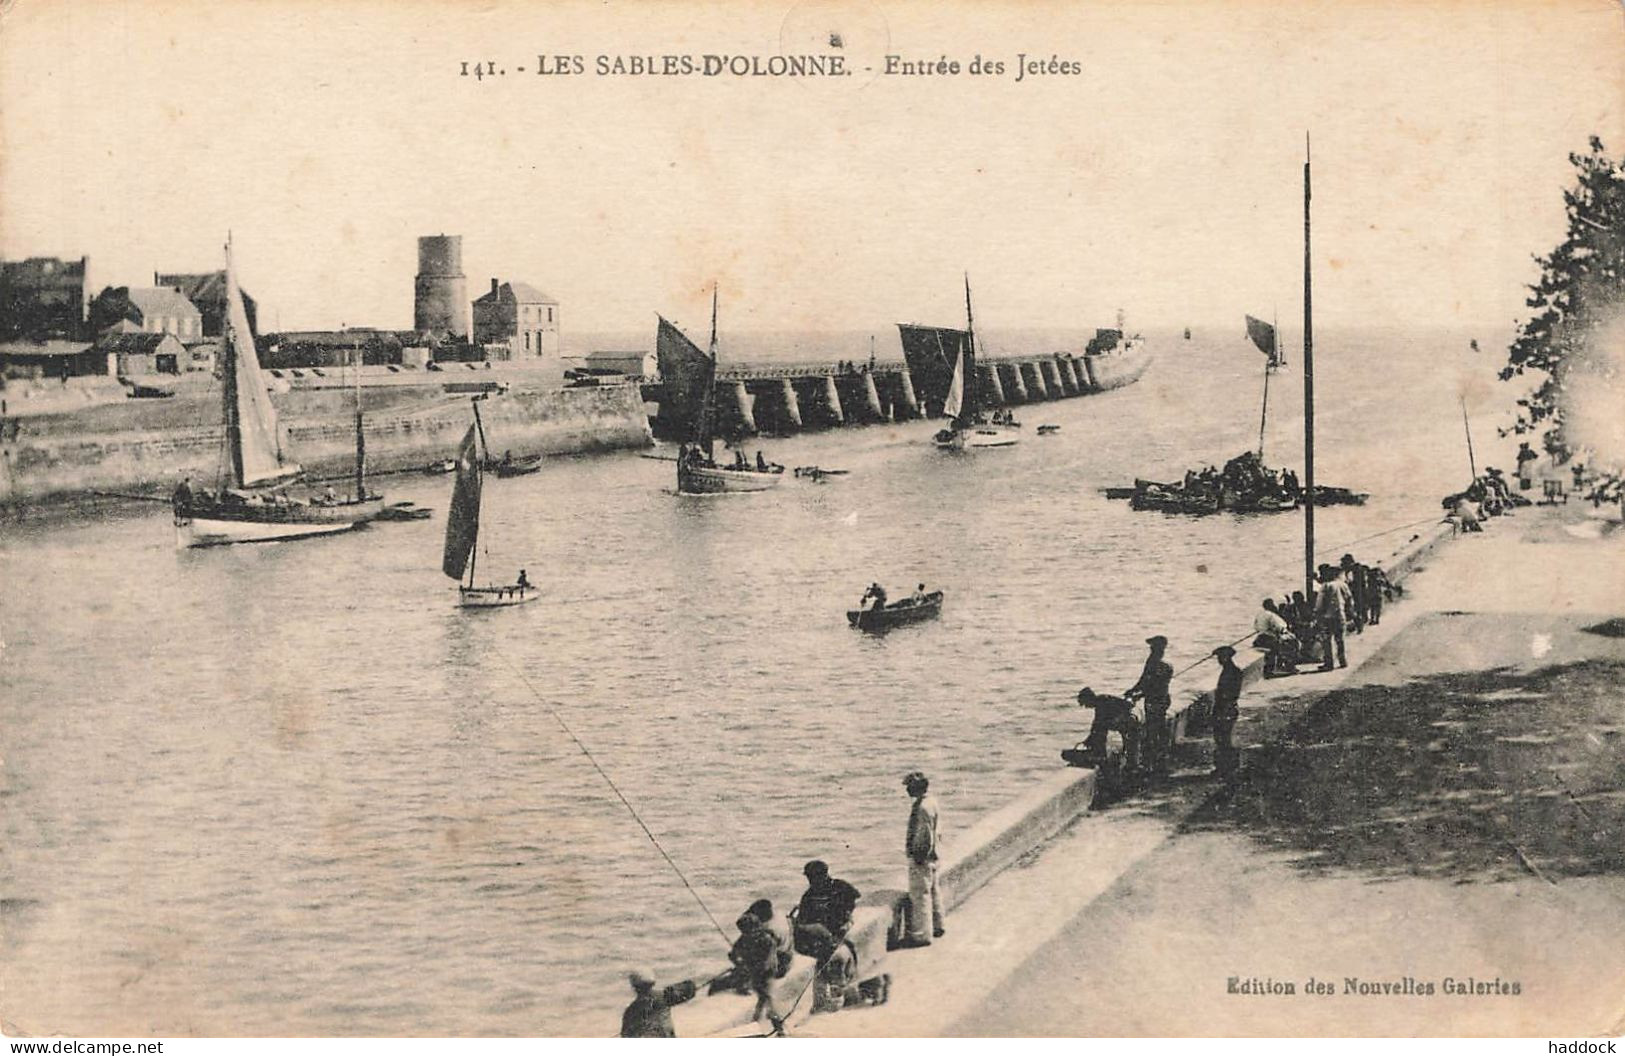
1111,713
761,463
918,597
824,913
1276,639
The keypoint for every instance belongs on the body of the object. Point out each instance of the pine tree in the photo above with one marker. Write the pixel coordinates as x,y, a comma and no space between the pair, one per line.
1582,285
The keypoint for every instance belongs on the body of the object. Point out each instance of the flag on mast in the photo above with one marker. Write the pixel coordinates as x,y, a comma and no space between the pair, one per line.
1263,335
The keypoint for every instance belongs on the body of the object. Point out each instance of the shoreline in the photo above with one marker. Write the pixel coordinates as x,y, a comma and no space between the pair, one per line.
998,843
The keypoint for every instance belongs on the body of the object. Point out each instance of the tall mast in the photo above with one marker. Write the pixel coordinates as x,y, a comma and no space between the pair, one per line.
1308,394
968,400
1472,463
479,470
708,397
360,438
228,378
1271,361
1264,411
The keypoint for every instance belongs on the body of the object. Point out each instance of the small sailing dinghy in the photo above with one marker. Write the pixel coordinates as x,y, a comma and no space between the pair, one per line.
252,504
969,428
463,532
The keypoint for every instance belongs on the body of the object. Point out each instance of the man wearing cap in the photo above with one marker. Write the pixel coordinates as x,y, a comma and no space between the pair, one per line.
1153,689
925,905
649,1014
1110,713
825,911
1226,710
1333,604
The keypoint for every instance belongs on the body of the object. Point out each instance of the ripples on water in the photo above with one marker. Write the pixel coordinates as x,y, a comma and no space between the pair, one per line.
291,790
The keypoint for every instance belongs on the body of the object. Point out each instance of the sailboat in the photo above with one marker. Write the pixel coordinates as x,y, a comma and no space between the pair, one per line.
684,366
463,531
251,505
968,427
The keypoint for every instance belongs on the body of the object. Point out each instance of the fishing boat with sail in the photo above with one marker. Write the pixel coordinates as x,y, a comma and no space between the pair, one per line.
691,377
463,531
251,504
968,427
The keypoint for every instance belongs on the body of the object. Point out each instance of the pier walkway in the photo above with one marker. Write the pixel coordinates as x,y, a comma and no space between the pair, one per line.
1447,808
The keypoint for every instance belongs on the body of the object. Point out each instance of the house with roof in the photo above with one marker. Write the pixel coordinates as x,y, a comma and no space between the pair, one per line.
207,291
52,359
146,310
518,322
135,354
43,297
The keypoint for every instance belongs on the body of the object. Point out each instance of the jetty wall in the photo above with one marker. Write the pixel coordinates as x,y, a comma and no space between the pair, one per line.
149,445
999,839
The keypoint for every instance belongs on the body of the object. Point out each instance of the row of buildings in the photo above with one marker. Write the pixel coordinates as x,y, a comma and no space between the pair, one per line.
51,325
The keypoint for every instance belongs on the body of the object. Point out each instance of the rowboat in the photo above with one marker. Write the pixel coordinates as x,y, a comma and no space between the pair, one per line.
516,467
897,613
696,478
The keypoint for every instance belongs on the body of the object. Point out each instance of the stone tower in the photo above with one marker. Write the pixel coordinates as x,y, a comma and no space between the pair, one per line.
441,290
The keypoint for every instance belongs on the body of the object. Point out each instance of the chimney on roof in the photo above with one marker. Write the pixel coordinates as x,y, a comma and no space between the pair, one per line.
493,287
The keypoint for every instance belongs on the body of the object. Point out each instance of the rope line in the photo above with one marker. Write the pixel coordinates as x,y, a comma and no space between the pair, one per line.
618,793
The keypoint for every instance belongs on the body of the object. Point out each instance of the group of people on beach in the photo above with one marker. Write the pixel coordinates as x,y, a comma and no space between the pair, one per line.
819,928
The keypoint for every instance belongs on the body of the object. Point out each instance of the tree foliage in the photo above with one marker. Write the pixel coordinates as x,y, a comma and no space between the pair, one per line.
1581,287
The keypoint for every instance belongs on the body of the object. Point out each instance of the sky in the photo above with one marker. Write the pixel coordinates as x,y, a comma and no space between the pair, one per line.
1164,177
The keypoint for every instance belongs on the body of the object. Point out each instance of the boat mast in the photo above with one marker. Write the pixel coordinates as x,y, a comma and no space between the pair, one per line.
479,470
709,396
1472,463
968,400
1270,363
1308,395
228,378
360,439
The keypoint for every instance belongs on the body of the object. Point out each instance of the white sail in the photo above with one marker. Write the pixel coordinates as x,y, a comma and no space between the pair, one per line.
257,445
954,404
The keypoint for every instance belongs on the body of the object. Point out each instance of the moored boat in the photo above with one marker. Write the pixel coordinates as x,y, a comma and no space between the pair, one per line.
508,466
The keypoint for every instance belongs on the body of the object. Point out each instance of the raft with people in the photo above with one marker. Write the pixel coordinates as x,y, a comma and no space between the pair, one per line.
1245,485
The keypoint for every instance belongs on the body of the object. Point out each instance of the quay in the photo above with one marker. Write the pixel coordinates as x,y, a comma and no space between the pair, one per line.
1425,832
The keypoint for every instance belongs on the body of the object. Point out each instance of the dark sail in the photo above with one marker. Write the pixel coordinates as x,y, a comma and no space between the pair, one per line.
463,519
931,353
688,376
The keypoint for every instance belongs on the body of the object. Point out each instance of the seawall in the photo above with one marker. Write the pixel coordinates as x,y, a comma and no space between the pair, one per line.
149,445
997,840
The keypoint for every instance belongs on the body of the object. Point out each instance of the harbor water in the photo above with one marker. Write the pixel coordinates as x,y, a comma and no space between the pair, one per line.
292,789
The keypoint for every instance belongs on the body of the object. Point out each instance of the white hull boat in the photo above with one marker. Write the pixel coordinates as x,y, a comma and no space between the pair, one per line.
717,480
